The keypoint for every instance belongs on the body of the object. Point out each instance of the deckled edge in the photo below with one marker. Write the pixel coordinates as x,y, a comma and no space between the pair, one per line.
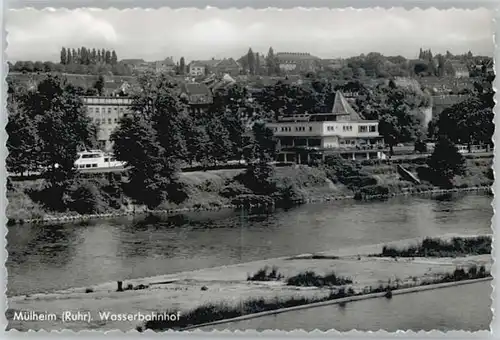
494,326
260,5
3,153
256,4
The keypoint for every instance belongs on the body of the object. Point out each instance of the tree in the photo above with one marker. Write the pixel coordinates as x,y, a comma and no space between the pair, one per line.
64,56
28,67
38,66
262,147
182,66
251,61
151,141
107,57
468,122
62,124
219,145
49,66
93,56
136,142
197,141
114,58
446,162
99,56
272,64
257,63
22,142
99,85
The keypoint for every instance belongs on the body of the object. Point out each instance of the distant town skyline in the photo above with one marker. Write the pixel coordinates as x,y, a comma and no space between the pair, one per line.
212,33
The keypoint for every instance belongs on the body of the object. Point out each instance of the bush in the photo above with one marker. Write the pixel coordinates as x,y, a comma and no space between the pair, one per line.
259,178
234,189
266,274
435,247
311,279
360,181
289,193
375,190
84,198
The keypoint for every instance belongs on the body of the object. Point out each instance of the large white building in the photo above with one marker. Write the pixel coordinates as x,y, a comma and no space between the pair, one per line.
106,113
304,138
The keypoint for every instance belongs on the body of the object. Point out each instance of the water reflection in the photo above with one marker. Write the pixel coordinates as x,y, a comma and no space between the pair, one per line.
465,307
48,258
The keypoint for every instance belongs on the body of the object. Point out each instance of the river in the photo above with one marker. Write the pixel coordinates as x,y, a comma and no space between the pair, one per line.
465,307
51,257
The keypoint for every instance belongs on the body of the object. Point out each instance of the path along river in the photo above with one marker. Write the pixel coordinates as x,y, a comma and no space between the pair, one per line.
464,307
47,258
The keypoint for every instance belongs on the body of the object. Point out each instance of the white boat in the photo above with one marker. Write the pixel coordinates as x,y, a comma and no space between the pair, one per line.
96,159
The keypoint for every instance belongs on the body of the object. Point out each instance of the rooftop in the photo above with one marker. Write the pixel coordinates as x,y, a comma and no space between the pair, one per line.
342,107
209,63
295,56
196,89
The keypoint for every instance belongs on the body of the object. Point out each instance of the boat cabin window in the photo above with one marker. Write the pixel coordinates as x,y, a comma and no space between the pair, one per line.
87,165
94,165
106,159
92,155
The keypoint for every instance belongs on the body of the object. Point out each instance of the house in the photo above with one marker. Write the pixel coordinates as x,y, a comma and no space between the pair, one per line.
198,96
138,65
227,66
297,62
306,138
332,64
106,112
202,67
199,68
460,70
164,66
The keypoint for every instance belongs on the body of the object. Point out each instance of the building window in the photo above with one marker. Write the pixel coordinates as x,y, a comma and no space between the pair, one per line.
96,110
362,128
116,120
310,128
347,128
91,110
109,120
109,110
373,128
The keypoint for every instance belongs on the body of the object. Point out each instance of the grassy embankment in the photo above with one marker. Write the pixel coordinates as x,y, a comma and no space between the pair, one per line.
222,188
340,287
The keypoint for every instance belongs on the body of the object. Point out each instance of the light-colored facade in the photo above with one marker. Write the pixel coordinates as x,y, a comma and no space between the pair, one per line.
343,131
297,62
196,70
106,112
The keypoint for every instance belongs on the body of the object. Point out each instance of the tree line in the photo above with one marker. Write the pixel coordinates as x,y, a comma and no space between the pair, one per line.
87,56
81,60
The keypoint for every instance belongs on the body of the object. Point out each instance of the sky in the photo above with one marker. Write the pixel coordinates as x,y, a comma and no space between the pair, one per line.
213,33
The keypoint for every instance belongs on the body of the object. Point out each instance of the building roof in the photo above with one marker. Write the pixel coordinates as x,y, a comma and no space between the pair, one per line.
227,62
290,56
132,61
209,63
342,107
195,89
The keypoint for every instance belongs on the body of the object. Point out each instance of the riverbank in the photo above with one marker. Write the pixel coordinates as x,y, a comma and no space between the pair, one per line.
229,285
220,189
